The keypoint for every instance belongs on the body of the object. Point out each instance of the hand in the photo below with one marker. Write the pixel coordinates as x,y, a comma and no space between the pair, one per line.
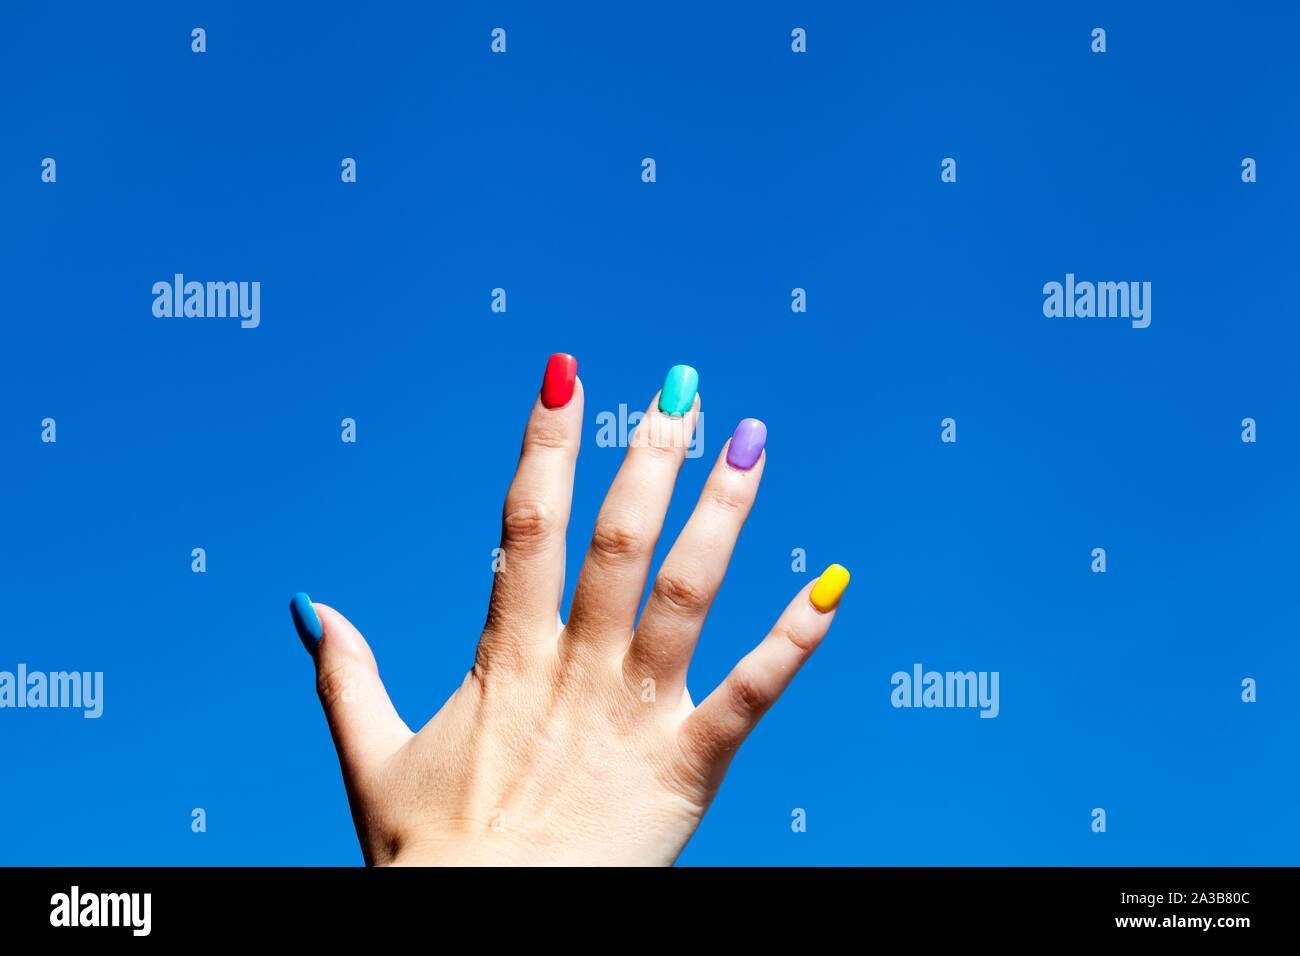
577,742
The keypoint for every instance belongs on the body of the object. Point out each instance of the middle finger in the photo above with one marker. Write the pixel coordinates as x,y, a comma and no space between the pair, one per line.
613,576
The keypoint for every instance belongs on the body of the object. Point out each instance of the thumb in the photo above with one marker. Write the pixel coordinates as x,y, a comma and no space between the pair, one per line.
362,720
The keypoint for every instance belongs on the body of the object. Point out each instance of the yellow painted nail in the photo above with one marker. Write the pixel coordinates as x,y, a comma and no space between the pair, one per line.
826,592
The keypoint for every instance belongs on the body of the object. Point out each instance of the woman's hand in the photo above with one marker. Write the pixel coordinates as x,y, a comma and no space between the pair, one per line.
573,742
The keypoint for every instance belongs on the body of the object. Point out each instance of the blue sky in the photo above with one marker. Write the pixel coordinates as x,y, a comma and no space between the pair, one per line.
775,170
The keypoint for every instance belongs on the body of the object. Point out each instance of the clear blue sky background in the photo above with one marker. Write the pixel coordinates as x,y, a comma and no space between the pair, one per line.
775,170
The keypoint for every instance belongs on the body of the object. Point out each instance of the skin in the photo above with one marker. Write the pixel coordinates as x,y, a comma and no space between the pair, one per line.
548,753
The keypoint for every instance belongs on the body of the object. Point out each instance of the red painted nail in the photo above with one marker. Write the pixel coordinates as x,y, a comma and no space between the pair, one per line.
557,386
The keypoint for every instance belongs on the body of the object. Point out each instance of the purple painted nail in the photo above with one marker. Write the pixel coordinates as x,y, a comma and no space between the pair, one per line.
747,444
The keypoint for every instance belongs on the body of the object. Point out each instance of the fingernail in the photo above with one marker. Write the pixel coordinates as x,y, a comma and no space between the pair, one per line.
306,621
557,384
678,393
747,444
826,592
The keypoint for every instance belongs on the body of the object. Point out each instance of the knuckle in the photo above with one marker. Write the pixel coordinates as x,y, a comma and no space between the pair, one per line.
661,437
614,540
797,636
746,693
528,521
707,744
661,446
499,655
336,682
546,434
680,592
728,501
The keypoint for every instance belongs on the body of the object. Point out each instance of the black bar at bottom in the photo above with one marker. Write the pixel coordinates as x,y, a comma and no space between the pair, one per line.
368,906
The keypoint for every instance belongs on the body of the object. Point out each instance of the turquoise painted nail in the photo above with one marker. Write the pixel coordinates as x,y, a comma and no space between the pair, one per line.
306,621
678,394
